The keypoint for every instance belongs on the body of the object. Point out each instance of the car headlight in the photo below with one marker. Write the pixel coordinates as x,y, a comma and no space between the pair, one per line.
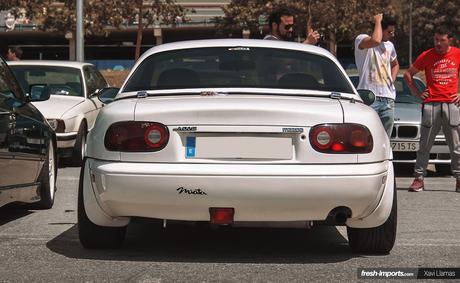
57,125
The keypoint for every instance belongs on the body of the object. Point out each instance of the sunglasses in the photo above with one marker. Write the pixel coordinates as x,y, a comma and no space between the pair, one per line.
288,27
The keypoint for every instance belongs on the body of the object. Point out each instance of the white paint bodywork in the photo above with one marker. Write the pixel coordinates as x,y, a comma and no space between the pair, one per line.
292,184
72,110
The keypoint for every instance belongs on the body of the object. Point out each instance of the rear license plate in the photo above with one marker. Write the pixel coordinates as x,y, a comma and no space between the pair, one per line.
404,146
239,147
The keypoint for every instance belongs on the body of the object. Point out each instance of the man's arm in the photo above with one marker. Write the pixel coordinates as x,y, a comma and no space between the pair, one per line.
408,76
376,39
394,69
456,99
312,37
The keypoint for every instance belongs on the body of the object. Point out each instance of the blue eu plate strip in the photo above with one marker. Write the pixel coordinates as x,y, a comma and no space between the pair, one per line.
191,142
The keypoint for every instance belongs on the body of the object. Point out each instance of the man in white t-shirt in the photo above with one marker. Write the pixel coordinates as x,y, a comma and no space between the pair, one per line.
378,67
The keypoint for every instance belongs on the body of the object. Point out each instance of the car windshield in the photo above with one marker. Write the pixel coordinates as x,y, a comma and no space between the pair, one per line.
232,67
403,93
60,80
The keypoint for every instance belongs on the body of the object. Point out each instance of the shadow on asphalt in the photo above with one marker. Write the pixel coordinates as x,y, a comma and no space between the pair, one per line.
407,170
12,212
65,162
147,241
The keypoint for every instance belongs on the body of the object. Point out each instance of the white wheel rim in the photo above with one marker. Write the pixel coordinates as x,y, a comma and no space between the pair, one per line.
51,175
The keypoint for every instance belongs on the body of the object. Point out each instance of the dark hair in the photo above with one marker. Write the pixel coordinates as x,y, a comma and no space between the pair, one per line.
388,21
443,30
16,50
275,16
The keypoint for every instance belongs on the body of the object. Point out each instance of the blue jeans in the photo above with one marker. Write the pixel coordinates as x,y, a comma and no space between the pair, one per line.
385,108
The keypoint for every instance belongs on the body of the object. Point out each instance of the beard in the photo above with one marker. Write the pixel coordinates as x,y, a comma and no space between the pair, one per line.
288,36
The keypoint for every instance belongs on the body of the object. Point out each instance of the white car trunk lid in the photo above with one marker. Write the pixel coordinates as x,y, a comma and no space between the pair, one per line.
239,129
239,110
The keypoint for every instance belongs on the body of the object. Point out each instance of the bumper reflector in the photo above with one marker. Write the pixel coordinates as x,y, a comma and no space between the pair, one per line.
222,215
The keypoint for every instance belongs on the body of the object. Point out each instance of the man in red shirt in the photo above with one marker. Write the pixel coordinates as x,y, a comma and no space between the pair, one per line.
440,103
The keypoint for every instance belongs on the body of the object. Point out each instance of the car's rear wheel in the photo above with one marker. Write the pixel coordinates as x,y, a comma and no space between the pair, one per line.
443,169
48,180
79,148
377,240
93,236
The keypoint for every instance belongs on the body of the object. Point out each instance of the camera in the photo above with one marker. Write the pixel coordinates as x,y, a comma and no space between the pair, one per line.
321,40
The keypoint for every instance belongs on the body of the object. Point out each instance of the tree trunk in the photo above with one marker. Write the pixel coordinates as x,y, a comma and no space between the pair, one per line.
70,36
140,29
333,43
309,24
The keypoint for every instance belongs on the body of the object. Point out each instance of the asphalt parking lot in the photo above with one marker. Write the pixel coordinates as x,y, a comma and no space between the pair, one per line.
44,246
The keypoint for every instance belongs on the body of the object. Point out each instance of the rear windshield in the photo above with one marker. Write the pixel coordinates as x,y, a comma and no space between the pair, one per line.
60,80
247,67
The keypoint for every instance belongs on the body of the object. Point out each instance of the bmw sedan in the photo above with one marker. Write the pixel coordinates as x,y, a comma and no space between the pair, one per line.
238,132
73,106
27,145
405,137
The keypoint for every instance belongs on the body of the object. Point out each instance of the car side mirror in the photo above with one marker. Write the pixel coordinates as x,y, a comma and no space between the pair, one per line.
107,94
367,96
39,92
96,93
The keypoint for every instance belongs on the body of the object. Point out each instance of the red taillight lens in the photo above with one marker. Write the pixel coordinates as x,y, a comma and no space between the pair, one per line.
323,137
133,136
341,138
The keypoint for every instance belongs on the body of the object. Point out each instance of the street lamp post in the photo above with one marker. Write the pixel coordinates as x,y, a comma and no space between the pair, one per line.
80,44
410,33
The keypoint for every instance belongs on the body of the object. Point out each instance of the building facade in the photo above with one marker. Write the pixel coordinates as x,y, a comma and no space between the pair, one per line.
118,45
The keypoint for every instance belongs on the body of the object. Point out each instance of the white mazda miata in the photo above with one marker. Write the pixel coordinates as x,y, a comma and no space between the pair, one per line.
238,132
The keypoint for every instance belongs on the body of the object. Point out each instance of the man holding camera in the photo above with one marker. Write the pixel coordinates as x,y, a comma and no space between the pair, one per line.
378,67
281,24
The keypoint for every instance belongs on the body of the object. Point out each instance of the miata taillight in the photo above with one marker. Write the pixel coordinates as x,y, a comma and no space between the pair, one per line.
133,136
341,138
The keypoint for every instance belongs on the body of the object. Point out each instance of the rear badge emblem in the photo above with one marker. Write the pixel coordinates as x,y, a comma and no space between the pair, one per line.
185,129
183,190
292,130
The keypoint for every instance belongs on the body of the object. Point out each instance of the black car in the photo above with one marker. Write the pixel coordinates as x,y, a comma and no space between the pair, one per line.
28,166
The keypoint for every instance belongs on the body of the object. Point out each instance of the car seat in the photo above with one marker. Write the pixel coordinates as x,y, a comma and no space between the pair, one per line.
76,87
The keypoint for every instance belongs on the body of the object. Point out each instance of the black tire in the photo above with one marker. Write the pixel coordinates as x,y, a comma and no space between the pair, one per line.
79,147
93,236
377,240
443,169
47,180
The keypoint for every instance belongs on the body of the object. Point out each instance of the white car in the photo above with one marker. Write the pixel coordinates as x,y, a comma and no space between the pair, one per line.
73,106
238,132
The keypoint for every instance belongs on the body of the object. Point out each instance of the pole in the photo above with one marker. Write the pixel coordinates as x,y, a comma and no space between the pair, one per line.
80,44
410,33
